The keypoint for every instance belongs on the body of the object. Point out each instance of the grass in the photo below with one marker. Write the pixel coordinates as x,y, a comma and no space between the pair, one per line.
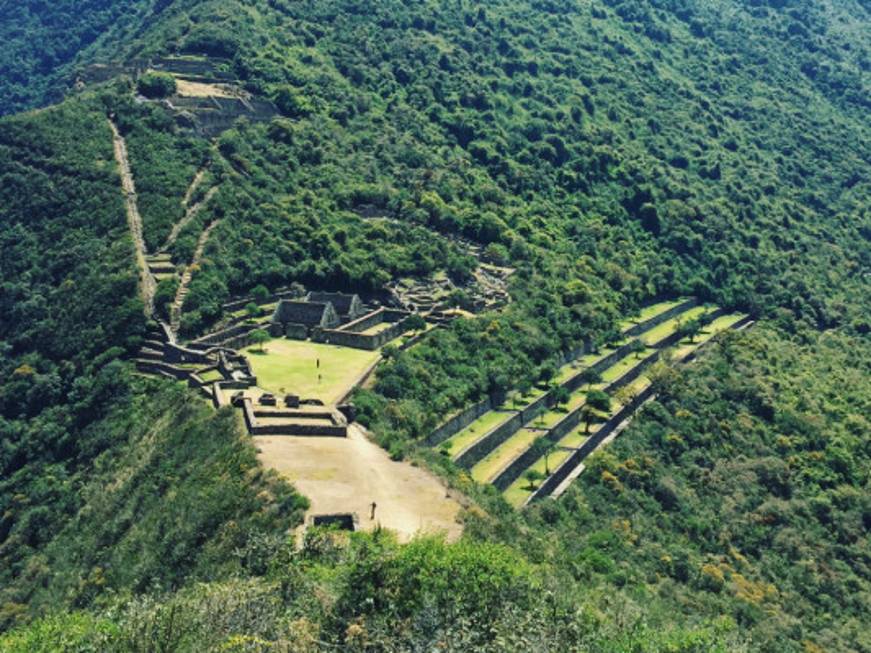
477,429
625,364
518,402
657,333
378,328
292,365
717,326
517,493
503,454
211,375
548,419
650,311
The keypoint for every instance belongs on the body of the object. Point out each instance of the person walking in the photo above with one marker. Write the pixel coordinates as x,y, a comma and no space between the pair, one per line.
372,510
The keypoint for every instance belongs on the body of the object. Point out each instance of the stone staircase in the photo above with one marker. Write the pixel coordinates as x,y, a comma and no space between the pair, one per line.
160,266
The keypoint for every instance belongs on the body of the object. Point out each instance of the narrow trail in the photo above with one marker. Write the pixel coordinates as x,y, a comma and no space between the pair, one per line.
181,293
191,213
147,284
197,180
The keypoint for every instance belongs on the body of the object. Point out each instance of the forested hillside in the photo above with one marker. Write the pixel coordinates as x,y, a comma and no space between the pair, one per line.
612,152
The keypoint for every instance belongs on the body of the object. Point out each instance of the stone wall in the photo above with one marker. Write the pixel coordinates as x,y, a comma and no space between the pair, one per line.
570,464
338,430
462,419
348,336
475,452
164,369
588,447
656,320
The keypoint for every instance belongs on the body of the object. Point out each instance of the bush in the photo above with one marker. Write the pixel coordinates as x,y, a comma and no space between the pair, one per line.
156,85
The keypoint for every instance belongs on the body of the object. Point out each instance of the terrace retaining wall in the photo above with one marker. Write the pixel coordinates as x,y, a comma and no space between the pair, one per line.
570,464
589,446
656,320
462,419
475,452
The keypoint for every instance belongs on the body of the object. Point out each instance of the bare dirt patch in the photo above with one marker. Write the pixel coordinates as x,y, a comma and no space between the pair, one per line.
186,88
343,475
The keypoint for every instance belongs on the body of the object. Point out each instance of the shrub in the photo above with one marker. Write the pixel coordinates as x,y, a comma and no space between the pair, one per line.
156,85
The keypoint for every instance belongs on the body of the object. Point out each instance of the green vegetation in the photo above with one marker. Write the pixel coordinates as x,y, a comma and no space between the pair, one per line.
474,431
611,152
308,369
156,85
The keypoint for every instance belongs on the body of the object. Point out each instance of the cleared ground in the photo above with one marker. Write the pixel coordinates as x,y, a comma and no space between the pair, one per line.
348,474
187,88
291,366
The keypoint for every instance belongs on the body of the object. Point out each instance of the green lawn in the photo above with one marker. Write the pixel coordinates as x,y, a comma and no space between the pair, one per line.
211,375
503,454
291,365
668,327
717,326
650,311
625,364
481,426
548,419
517,493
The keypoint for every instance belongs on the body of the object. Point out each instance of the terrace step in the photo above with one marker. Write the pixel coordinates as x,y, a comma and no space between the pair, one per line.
150,354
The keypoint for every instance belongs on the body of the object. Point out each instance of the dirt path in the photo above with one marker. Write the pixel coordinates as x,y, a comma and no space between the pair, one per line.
147,284
342,475
195,183
181,293
189,215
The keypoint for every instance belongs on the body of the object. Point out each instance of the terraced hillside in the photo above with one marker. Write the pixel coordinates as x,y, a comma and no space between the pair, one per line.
545,434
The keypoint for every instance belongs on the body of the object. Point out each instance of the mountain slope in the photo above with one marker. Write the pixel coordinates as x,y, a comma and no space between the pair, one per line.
611,152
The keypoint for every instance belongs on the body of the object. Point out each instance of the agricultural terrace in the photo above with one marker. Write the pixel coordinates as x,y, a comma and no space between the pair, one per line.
308,369
519,443
657,333
651,311
489,421
520,490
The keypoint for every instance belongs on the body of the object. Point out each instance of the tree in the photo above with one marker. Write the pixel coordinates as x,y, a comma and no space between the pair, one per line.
599,400
415,323
637,347
252,309
544,446
156,85
561,395
533,476
260,293
690,329
260,337
591,376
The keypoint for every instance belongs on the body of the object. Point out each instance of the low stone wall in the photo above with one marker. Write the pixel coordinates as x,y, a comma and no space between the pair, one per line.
589,446
462,419
173,353
165,369
475,452
339,430
236,304
218,337
656,320
354,340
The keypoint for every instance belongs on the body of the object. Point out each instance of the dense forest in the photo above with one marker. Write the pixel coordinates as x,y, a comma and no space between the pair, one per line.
611,152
